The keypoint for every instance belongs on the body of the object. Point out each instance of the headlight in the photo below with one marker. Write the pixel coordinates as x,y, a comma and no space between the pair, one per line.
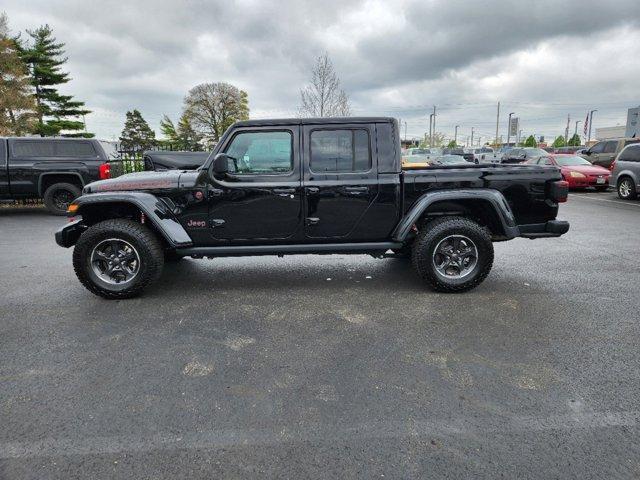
577,174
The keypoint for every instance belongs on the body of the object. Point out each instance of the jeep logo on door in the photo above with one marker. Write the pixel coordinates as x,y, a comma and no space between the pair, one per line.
197,224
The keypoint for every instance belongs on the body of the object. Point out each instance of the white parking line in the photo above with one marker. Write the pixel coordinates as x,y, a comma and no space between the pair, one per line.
630,203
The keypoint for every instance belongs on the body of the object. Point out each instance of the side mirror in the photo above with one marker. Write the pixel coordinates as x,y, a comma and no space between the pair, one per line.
586,152
221,164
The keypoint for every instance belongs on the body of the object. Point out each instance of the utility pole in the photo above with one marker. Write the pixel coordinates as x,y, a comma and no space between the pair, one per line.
471,137
497,123
576,130
509,128
455,135
430,129
590,123
434,126
566,130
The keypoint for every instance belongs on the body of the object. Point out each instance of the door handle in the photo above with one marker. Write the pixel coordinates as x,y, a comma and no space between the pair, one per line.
217,222
356,190
284,191
312,221
313,190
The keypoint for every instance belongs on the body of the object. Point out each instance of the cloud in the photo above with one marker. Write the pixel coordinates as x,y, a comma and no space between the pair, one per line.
542,59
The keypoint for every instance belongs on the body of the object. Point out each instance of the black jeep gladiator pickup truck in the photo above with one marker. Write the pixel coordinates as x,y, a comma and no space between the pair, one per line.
322,186
54,169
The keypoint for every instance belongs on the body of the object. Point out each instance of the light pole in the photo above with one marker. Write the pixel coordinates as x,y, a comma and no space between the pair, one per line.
576,130
434,126
590,123
509,128
431,128
455,135
471,137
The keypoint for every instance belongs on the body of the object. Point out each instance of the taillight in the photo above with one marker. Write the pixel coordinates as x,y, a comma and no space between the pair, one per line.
559,191
613,164
105,171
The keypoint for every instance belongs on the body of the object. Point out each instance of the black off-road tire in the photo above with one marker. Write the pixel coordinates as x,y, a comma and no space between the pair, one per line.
630,192
49,198
436,231
145,242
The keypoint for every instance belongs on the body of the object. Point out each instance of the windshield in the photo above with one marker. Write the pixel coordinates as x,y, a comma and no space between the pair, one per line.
571,161
416,158
419,151
451,159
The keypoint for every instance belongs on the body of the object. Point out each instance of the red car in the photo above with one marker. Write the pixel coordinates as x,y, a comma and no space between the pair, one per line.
577,171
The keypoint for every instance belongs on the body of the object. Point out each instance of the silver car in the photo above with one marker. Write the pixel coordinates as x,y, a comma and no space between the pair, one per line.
626,172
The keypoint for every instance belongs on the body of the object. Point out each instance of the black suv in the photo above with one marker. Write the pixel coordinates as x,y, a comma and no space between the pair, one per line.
322,186
54,169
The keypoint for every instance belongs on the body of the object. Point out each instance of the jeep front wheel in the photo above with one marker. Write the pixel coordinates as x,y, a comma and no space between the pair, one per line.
453,254
118,258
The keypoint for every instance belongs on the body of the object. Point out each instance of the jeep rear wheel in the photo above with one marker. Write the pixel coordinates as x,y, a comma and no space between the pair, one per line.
118,258
453,254
59,196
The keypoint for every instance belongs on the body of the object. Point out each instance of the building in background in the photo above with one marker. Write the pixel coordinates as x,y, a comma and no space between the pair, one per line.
633,123
604,133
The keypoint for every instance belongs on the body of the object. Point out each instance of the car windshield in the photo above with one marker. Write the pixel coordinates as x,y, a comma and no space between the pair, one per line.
419,151
416,158
571,161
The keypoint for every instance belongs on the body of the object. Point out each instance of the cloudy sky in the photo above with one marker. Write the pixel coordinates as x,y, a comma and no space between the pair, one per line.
542,60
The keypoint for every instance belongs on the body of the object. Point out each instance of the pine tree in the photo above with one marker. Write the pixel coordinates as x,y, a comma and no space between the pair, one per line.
136,136
17,105
530,141
56,112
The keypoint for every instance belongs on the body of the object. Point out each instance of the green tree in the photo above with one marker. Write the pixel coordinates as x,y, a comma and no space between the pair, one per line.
56,112
213,107
136,136
558,142
182,137
575,141
17,105
530,141
452,144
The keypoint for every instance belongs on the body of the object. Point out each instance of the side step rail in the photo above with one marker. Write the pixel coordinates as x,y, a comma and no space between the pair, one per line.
372,248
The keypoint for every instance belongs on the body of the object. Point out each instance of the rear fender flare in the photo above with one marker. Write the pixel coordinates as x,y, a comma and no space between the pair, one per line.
154,209
494,197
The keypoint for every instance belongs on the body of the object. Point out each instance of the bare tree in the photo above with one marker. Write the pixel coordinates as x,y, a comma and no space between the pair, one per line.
214,107
323,97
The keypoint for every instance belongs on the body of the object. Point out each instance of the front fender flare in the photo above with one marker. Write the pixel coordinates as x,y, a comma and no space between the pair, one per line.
154,209
494,197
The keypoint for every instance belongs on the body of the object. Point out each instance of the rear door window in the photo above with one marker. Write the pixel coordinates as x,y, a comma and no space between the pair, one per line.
340,151
610,147
630,154
597,148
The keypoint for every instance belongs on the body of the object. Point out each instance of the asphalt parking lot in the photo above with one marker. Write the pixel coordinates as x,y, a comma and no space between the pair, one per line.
320,367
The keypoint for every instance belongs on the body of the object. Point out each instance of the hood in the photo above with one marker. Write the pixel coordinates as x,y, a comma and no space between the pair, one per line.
166,180
586,169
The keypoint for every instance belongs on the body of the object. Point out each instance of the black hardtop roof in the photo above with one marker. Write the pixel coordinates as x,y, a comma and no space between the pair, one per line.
63,139
312,121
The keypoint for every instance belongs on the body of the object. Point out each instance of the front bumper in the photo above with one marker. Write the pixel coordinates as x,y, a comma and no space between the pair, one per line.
68,235
552,228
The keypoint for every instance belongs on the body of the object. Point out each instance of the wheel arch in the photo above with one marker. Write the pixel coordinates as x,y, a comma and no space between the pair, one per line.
142,207
486,206
47,179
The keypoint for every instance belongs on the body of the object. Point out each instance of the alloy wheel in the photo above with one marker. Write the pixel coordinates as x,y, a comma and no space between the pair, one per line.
115,261
455,256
